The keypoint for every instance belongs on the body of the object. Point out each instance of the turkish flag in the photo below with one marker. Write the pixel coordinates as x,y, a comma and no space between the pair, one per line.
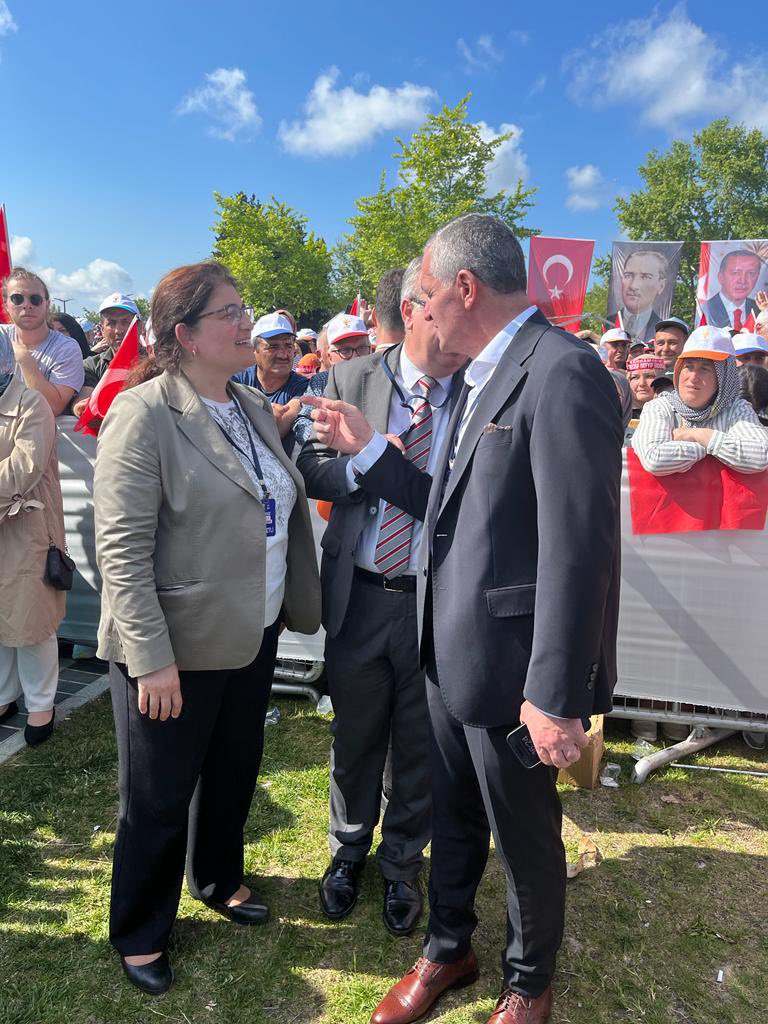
710,496
558,272
111,384
702,289
5,260
354,309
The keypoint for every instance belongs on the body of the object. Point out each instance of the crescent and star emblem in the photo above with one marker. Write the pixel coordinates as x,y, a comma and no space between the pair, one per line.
555,292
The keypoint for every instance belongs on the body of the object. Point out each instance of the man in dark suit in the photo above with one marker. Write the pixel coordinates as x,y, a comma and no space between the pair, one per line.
738,276
369,612
518,603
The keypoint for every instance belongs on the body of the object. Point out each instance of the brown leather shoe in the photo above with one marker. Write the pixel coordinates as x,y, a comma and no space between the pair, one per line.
415,994
513,1008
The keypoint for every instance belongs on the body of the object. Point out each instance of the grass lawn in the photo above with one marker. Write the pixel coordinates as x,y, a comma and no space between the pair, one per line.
682,893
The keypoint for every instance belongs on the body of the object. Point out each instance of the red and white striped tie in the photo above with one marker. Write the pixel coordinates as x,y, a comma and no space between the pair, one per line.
393,548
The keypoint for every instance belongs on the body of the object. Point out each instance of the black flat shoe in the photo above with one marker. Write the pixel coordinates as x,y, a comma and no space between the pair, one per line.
403,905
339,887
153,978
36,734
251,911
10,711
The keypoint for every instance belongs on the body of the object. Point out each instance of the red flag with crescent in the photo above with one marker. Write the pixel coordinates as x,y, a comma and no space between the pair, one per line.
558,273
111,384
5,260
710,496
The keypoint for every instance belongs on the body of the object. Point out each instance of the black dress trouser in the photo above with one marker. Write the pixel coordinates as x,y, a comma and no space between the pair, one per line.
186,787
479,788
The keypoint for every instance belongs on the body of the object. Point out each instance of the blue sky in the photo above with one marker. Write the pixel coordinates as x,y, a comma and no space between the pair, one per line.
120,121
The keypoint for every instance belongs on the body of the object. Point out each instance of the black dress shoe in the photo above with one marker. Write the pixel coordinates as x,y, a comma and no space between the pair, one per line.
153,978
10,711
251,911
339,887
403,905
36,734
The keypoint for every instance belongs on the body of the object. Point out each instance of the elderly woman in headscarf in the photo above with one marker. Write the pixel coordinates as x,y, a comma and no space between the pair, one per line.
641,372
704,415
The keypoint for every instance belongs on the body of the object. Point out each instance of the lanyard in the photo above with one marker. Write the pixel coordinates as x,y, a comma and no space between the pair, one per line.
406,403
253,458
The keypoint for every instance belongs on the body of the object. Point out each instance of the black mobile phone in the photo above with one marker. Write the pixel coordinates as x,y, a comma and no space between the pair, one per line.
520,743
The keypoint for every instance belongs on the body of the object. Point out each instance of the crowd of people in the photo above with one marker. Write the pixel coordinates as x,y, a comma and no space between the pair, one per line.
468,585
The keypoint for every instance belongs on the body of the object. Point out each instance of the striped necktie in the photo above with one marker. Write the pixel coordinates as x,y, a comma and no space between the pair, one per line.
393,548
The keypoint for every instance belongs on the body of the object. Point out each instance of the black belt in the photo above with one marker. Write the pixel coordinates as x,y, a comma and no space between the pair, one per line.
397,585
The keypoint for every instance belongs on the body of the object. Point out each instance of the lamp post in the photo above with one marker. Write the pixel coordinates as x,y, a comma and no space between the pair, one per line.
63,302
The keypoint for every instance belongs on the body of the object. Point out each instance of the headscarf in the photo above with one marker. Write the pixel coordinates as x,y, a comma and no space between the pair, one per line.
728,391
625,396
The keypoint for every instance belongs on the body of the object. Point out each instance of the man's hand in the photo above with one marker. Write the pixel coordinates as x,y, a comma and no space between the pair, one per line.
21,353
397,441
285,415
160,693
79,407
762,300
339,425
558,741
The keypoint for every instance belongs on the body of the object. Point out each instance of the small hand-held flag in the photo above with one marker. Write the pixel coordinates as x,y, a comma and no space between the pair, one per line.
5,260
111,384
354,309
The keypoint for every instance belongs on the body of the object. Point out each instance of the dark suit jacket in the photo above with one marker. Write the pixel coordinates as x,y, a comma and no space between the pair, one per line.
363,383
717,314
519,576
650,328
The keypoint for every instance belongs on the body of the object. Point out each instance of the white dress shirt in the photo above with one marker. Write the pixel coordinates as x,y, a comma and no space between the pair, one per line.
399,421
731,307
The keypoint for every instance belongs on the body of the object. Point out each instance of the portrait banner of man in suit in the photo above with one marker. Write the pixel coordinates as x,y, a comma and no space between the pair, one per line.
642,285
730,276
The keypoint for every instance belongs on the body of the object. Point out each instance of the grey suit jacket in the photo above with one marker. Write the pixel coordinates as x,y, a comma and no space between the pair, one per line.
363,383
180,534
519,580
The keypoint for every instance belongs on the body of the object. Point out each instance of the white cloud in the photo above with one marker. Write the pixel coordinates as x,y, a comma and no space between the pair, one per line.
537,86
83,287
510,162
671,70
587,188
480,57
7,24
341,121
228,102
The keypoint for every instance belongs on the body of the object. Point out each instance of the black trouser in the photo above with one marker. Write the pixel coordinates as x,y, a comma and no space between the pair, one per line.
478,788
377,689
212,751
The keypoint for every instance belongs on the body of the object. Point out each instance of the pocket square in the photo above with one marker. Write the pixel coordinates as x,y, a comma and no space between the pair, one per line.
491,428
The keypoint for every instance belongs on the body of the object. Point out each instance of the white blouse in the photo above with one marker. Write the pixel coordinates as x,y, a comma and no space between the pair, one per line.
280,486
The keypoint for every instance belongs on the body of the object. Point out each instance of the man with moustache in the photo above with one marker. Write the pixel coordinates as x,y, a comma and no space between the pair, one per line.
738,276
518,583
643,280
368,579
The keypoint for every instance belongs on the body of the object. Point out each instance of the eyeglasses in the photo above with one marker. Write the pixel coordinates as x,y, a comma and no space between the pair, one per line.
18,299
232,312
348,353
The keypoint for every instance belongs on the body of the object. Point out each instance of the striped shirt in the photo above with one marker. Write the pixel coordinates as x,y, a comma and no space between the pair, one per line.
738,440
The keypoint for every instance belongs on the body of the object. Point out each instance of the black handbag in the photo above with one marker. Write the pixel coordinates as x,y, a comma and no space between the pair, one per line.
59,568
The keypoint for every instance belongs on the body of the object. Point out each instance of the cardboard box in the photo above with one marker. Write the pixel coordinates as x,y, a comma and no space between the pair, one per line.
586,771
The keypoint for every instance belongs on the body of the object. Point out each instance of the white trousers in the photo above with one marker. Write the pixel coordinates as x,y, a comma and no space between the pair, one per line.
33,671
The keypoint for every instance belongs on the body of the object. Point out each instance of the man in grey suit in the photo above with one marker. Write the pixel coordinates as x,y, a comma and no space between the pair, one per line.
518,584
369,612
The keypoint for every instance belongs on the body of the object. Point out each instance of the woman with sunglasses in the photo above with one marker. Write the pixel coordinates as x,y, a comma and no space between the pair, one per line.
204,543
48,362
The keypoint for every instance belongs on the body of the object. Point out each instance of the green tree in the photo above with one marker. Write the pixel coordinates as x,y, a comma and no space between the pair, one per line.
443,173
277,262
715,187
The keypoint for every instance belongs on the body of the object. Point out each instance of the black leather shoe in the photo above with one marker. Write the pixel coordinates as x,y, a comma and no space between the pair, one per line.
153,978
339,887
10,711
35,734
403,905
252,911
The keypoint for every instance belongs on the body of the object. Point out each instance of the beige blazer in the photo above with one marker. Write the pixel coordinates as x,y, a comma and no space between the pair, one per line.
30,517
180,534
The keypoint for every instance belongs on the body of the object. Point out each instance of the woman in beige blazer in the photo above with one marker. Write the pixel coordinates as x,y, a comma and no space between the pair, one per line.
31,518
204,543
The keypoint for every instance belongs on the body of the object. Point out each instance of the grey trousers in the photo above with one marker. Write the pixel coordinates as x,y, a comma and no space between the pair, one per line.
379,701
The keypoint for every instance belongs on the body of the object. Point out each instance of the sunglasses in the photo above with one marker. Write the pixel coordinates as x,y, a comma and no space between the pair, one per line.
18,299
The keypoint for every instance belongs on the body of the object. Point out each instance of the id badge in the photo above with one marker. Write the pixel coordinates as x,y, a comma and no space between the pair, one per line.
270,516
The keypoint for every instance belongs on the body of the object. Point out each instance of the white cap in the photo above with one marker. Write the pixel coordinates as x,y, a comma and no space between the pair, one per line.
270,325
344,325
708,342
119,301
306,333
748,342
615,334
